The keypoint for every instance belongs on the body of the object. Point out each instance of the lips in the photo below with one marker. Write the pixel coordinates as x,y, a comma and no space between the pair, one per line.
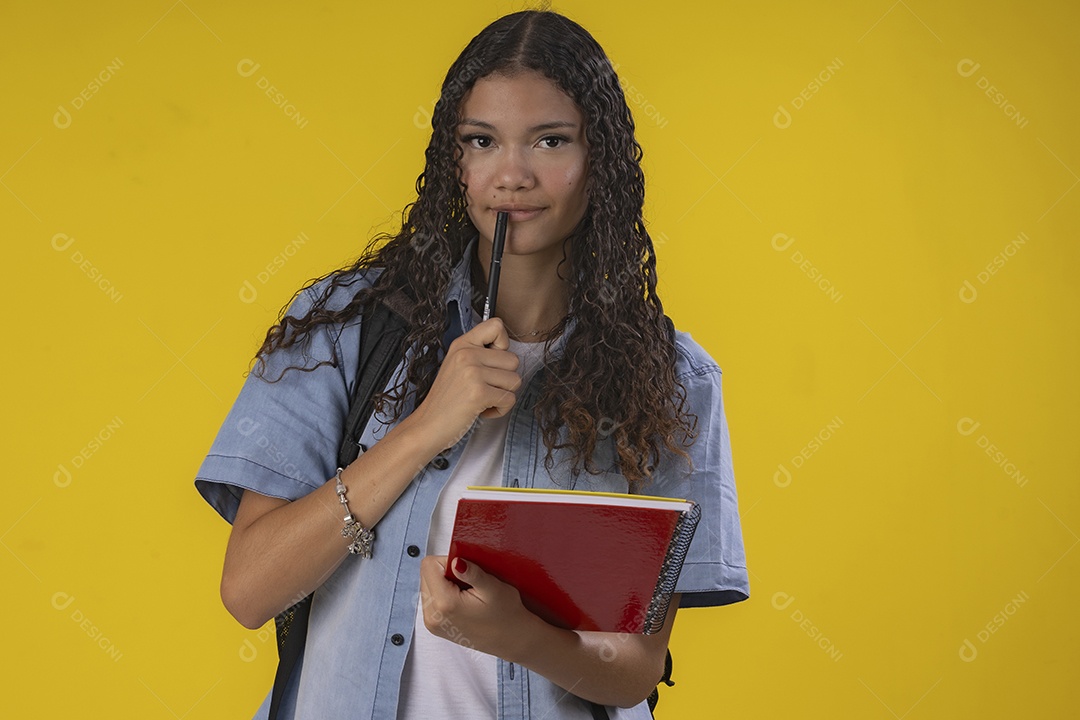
519,213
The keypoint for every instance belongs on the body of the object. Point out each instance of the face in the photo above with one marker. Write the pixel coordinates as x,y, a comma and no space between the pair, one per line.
524,150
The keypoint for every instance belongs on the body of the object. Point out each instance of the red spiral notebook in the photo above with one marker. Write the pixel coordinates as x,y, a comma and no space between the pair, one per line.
581,560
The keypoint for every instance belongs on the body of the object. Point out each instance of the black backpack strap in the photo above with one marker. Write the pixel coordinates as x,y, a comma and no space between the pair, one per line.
599,712
383,330
382,334
654,697
291,629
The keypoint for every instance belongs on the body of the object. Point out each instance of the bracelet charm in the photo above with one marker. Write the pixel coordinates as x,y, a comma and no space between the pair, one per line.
361,538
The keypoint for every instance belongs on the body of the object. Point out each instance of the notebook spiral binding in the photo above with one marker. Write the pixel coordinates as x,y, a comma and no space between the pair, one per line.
670,570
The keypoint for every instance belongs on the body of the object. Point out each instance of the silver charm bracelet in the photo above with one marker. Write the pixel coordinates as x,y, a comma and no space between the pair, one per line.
361,539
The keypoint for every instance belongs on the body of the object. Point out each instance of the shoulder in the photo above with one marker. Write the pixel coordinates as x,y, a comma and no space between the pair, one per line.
334,291
316,332
692,362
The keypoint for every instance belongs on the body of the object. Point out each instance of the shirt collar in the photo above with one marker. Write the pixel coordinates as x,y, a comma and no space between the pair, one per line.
460,315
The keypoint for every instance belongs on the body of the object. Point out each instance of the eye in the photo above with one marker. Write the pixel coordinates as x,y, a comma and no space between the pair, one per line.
480,142
553,141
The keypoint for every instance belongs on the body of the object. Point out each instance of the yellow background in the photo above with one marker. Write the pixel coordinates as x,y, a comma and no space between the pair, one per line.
878,561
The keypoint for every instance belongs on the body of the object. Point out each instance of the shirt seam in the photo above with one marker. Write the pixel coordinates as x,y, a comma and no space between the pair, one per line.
700,371
718,562
259,465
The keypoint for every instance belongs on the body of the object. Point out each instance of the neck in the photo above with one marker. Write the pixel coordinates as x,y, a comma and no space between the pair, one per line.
532,296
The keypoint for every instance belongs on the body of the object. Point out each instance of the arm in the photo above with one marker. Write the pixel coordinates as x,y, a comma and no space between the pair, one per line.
607,668
279,551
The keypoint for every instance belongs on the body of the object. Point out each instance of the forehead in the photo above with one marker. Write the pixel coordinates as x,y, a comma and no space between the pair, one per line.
520,100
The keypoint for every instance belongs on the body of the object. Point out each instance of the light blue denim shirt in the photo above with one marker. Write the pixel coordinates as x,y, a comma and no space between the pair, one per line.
281,439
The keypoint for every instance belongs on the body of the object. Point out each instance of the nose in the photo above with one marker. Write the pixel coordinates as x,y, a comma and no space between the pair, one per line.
514,171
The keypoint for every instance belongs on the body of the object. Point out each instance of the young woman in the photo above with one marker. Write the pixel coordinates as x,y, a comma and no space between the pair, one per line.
575,384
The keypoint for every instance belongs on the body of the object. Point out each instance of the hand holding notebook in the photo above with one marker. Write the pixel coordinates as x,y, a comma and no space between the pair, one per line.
580,560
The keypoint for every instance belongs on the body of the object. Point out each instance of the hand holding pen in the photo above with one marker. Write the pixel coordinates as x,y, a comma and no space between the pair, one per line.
460,396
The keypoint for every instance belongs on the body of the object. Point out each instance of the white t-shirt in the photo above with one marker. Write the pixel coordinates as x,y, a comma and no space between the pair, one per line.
441,678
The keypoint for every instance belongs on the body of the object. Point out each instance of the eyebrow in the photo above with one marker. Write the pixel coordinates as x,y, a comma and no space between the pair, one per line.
553,125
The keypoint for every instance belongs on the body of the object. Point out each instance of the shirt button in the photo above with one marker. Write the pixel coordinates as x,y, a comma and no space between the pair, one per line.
440,462
397,639
413,551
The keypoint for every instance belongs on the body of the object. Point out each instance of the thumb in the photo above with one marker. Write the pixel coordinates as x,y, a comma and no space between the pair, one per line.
490,333
470,573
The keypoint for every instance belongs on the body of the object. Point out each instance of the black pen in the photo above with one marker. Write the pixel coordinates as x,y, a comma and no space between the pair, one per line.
496,263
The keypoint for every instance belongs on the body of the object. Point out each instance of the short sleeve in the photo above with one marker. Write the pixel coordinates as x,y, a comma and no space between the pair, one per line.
714,572
282,434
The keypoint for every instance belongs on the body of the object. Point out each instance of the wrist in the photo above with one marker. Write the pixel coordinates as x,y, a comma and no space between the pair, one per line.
531,639
422,441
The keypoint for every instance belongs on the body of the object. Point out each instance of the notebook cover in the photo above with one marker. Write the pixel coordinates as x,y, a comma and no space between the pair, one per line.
577,566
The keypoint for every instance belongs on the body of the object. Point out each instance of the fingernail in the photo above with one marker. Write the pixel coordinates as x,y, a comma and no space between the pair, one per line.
460,565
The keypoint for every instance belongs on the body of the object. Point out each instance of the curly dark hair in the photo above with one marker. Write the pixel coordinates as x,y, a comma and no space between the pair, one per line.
616,375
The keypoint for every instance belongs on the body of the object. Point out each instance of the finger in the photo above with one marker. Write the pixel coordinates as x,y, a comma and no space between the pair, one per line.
472,574
500,392
499,406
490,333
501,340
490,357
500,379
432,566
434,593
481,388
433,580
425,571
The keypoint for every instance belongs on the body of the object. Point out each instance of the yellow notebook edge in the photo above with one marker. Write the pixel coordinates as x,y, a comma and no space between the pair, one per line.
587,493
